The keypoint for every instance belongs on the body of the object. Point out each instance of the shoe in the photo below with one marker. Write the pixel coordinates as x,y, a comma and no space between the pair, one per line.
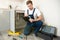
36,35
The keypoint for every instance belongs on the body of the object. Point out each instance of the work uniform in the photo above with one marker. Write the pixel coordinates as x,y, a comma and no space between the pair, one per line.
36,25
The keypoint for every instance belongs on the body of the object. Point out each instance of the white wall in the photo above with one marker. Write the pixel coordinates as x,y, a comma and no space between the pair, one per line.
50,9
19,3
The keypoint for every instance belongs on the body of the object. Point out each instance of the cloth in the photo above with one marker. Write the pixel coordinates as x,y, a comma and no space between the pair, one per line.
36,13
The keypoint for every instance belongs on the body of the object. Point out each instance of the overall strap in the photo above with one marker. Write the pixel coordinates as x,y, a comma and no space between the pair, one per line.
33,11
27,11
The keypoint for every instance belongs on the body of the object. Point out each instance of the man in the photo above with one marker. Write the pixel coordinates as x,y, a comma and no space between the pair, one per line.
34,19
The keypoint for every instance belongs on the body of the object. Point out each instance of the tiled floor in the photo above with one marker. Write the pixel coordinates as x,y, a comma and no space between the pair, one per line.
4,36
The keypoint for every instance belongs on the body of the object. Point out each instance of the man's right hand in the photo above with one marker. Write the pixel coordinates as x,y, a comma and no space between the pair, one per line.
31,20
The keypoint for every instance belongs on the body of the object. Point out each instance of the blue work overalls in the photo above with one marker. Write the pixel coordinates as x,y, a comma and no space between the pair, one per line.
36,25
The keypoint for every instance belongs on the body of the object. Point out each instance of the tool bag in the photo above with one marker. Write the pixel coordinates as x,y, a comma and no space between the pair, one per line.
48,30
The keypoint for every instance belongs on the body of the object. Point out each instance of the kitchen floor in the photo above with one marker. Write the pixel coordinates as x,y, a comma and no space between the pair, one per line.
4,36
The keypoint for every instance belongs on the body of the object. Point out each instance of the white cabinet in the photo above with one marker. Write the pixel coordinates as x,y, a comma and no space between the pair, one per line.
4,19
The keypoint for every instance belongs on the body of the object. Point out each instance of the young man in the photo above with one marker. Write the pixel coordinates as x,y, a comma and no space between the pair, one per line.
34,19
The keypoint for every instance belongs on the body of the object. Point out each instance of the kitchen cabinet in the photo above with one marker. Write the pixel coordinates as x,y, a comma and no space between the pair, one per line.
16,20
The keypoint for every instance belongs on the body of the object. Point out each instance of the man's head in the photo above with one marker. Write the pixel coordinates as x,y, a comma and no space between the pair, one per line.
29,4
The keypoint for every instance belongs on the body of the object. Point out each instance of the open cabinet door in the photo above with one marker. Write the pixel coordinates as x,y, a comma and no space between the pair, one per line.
19,21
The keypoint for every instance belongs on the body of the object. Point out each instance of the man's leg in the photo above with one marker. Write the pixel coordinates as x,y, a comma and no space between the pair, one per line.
28,28
38,25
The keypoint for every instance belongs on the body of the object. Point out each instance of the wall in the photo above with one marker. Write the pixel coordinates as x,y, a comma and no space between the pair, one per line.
20,4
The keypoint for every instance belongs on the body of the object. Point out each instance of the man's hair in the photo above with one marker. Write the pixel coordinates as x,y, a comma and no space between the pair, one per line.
29,1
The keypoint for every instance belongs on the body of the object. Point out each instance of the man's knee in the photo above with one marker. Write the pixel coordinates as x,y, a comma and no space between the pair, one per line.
27,30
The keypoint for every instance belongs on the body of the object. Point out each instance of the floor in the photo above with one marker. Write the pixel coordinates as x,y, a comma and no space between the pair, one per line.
4,36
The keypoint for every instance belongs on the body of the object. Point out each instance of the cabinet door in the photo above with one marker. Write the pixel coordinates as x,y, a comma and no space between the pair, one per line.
19,21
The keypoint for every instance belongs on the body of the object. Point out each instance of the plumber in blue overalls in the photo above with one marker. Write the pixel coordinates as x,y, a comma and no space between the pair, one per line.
35,19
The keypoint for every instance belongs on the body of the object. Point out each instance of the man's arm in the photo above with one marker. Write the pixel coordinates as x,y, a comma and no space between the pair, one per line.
25,14
39,15
38,18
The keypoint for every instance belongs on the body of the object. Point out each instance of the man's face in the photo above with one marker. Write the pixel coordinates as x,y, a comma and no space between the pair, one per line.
30,6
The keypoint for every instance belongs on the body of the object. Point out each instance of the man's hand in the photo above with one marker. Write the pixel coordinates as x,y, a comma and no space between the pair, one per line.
31,20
